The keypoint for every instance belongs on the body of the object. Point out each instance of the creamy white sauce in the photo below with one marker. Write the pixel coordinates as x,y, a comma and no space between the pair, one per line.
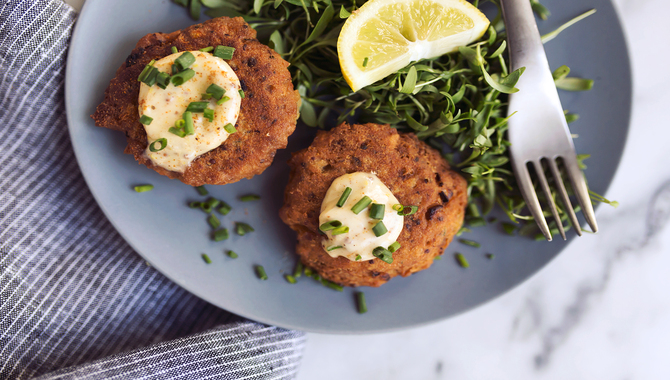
166,106
360,240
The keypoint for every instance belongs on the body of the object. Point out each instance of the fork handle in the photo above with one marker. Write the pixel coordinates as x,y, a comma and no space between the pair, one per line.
525,43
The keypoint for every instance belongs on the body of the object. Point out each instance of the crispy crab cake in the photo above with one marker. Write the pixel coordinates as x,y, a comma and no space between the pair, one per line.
414,172
267,115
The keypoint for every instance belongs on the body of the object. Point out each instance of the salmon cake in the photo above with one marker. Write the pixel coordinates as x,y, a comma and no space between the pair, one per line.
208,104
369,203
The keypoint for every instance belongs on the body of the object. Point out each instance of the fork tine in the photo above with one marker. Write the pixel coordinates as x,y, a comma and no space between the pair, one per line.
581,191
539,171
567,205
528,193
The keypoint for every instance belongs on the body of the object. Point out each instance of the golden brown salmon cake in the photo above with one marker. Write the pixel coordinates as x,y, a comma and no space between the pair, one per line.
268,112
413,171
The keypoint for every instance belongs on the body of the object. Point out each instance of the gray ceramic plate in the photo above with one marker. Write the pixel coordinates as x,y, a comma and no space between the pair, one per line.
172,237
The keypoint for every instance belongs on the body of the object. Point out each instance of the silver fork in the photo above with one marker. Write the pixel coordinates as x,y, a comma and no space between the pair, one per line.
539,130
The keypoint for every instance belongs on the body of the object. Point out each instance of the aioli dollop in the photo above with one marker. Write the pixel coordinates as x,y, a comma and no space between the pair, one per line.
166,106
360,240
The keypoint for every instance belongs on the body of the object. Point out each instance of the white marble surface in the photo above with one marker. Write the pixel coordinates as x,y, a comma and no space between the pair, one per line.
601,310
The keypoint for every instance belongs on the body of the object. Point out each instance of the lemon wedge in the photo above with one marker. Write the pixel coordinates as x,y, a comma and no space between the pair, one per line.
383,36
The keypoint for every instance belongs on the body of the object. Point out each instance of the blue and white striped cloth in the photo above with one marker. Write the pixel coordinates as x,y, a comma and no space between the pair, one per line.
75,300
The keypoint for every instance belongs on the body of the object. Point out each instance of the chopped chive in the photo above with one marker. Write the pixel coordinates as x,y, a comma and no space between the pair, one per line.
260,271
365,62
397,207
194,9
340,230
476,222
332,285
184,61
179,78
509,228
183,3
175,70
206,258
490,256
290,279
333,248
177,131
197,106
204,206
383,254
143,188
297,272
146,120
343,197
221,234
224,209
460,259
213,221
232,254
250,197
194,204
145,71
216,91
241,92
206,49
222,100
308,271
394,247
224,52
189,129
412,210
331,225
377,211
470,243
163,80
174,50
213,202
358,257
208,114
202,190
360,302
151,76
243,228
229,128
379,229
161,141
437,258
205,96
361,205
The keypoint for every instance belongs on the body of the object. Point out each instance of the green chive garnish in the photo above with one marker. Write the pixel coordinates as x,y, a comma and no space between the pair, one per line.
332,285
216,91
397,207
183,3
437,258
241,92
145,71
213,221
383,254
206,49
177,131
194,204
184,61
161,141
490,256
365,61
232,254
222,100
146,120
360,302
174,50
243,228
213,202
221,234
297,272
189,129
260,271
250,197
162,80
331,225
470,243
308,271
343,197
208,114
179,78
394,247
361,205
224,209
202,190
206,258
205,96
379,229
509,228
151,76
333,248
204,206
358,257
229,128
224,52
143,188
460,259
377,211
340,230
197,106
412,210
175,70
290,279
